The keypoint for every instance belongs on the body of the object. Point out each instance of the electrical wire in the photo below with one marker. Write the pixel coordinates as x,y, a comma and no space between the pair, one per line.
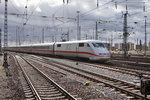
14,6
32,12
85,13
29,16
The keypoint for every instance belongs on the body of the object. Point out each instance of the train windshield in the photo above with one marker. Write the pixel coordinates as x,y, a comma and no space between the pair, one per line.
97,45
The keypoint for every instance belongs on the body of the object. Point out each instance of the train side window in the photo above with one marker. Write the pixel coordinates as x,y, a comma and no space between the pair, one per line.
98,45
81,44
58,45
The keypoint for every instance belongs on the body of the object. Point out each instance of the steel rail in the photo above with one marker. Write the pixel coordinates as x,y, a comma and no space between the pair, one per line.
64,92
111,79
123,90
34,91
91,73
121,70
134,59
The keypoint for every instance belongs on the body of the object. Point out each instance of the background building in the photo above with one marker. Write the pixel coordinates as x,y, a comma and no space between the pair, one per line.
118,46
130,46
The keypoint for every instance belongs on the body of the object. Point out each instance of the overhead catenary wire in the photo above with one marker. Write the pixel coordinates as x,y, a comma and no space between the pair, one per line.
14,6
29,16
86,18
32,13
85,13
110,1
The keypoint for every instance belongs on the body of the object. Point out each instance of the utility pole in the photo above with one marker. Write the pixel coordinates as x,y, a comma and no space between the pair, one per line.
78,27
86,36
96,32
19,37
68,35
79,32
96,28
125,35
16,35
5,63
111,42
93,34
0,41
54,27
145,36
43,35
53,40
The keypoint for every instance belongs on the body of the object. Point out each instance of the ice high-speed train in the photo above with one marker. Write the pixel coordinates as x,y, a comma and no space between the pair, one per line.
90,49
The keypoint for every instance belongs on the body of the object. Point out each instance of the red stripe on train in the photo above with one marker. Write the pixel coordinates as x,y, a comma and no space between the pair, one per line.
75,52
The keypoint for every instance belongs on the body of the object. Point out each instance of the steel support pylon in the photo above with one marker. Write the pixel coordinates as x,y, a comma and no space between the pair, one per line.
125,35
5,63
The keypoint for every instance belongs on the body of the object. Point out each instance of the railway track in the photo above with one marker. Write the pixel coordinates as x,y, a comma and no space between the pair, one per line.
140,59
122,86
132,55
145,75
38,86
136,73
132,63
132,60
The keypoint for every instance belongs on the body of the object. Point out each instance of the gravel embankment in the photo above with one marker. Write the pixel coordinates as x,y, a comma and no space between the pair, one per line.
76,85
10,85
116,75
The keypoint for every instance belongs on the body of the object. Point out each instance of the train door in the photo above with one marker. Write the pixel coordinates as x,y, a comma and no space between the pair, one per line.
72,49
53,49
81,49
77,50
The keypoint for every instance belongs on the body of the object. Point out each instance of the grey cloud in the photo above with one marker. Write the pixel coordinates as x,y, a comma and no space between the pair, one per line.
87,20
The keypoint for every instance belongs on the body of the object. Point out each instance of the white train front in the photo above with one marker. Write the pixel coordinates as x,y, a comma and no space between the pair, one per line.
90,49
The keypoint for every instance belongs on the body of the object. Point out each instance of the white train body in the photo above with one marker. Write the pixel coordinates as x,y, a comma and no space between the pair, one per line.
90,49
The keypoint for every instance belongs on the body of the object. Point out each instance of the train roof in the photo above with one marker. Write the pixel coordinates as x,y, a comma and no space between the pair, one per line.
41,44
79,41
46,44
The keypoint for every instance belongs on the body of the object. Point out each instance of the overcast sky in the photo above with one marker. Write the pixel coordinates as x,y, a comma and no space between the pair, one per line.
57,18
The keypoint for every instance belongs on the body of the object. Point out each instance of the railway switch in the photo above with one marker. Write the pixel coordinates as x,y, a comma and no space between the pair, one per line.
145,87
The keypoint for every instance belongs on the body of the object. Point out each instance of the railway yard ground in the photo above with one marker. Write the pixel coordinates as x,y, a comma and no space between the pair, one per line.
39,77
10,85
